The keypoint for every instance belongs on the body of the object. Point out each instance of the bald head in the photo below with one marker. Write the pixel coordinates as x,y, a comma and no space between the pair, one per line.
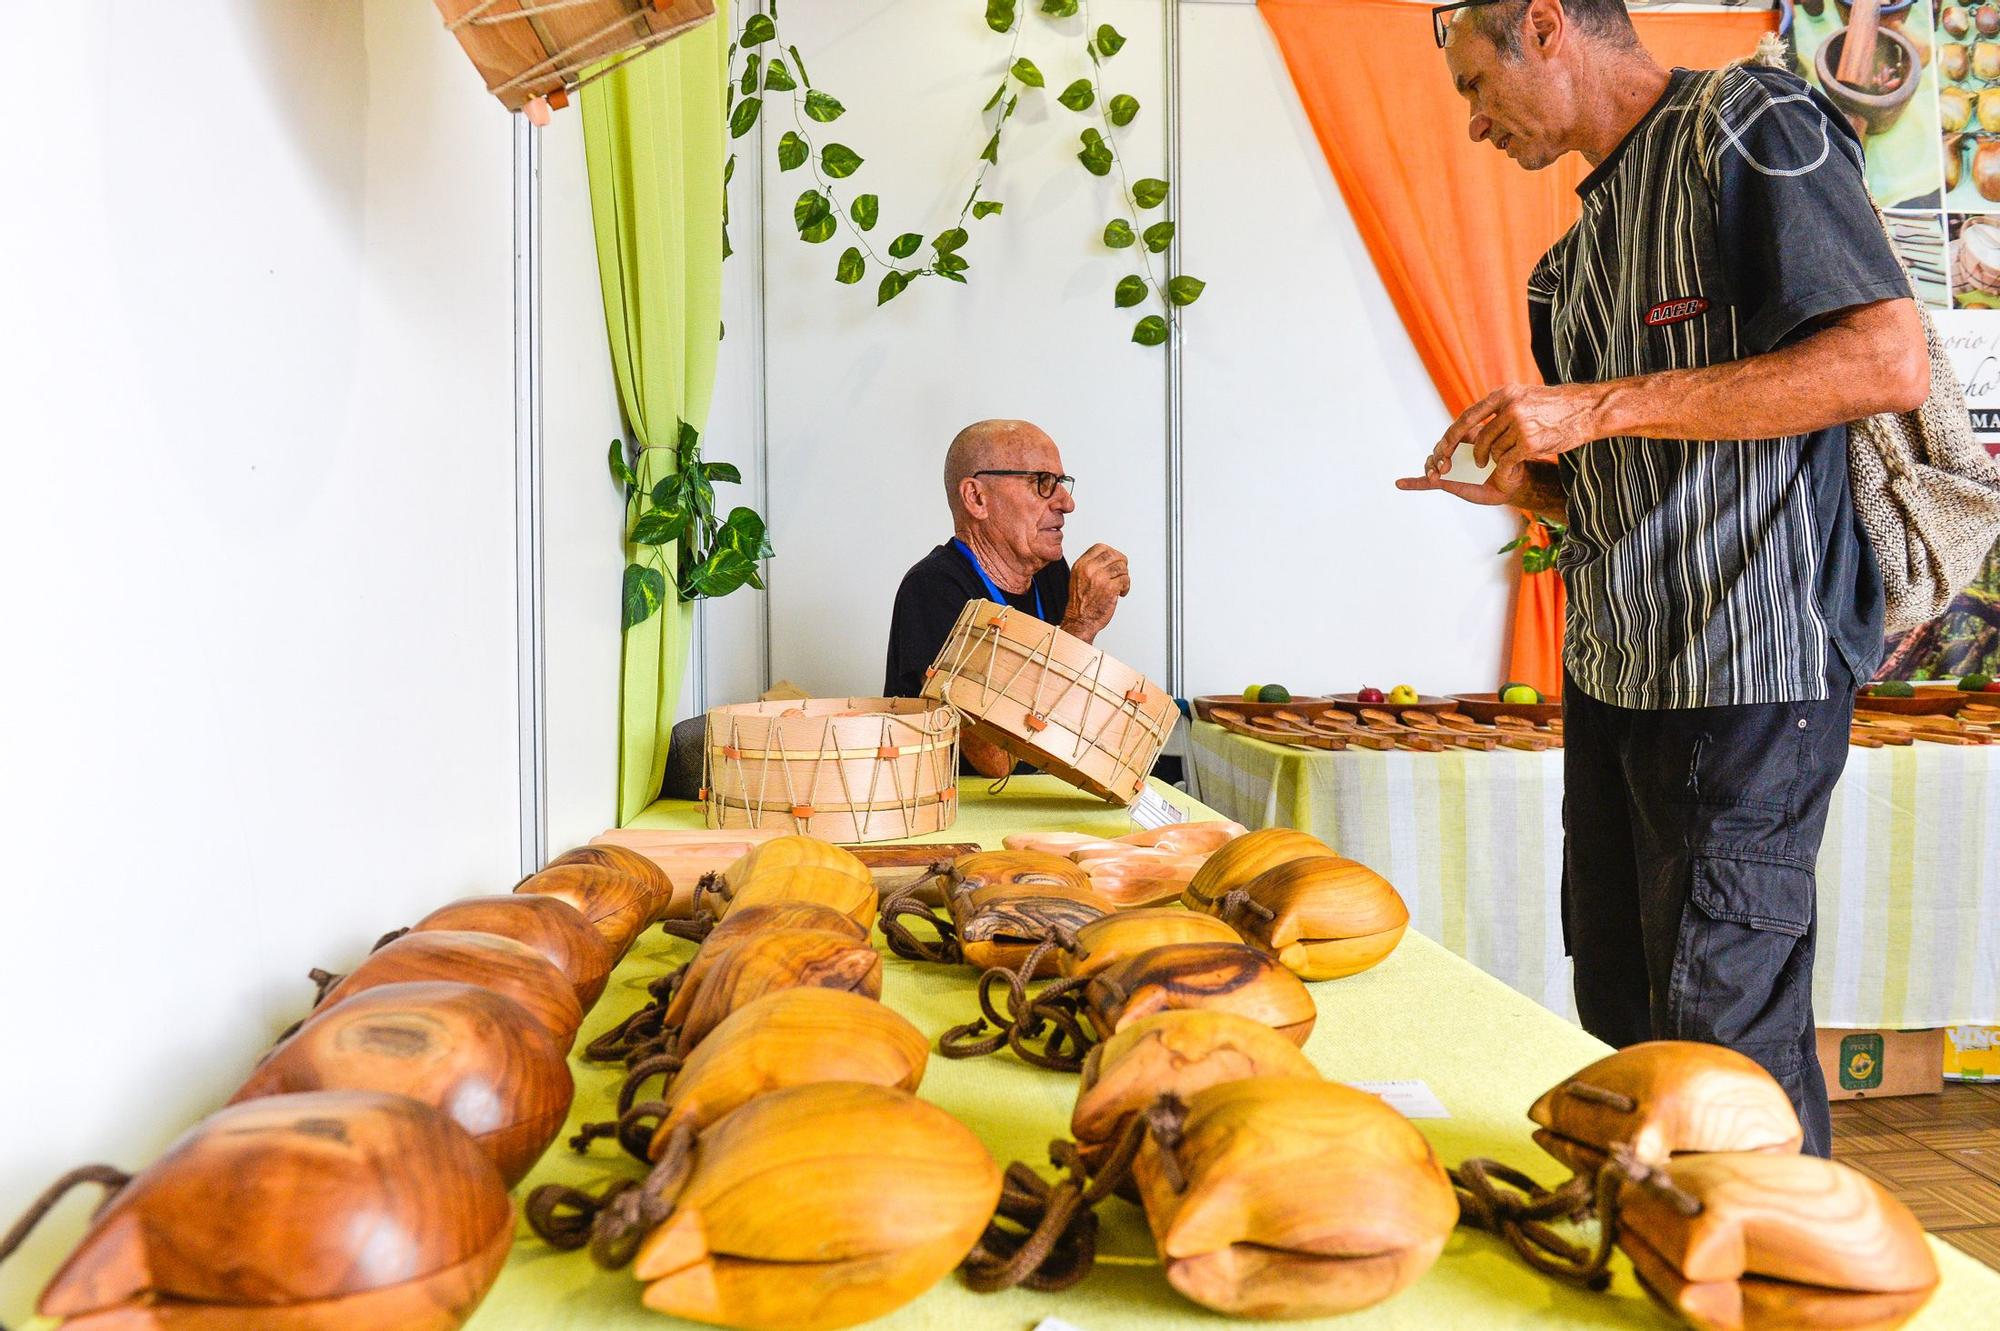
990,445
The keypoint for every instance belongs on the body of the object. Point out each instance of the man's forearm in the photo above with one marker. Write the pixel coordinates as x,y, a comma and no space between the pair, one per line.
1835,375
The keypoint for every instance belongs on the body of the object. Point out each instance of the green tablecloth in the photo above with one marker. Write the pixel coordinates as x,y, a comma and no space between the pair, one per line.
1423,1013
1909,872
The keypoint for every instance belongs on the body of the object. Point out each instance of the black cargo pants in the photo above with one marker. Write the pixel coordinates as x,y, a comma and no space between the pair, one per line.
1690,839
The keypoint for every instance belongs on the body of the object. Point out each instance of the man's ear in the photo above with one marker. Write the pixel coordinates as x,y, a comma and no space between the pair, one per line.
972,497
1545,25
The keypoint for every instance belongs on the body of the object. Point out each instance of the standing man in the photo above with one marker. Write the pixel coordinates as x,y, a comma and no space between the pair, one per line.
1009,499
1724,304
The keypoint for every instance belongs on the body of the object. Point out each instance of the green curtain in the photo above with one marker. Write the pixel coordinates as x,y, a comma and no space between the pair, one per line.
654,140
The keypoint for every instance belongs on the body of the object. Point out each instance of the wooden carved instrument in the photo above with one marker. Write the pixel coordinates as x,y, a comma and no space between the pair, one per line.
1665,1098
1239,861
549,925
487,960
1224,977
1323,916
618,905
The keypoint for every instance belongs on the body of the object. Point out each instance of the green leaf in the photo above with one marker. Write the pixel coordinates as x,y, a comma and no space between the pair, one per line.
852,267
744,530
1124,108
800,61
725,569
1059,8
823,108
994,100
991,153
866,211
1512,545
1150,331
1000,15
687,444
1118,234
743,117
903,246
1159,235
811,209
700,495
728,174
986,208
1150,193
1130,291
1096,154
892,285
951,264
722,471
645,590
820,231
778,79
1024,70
660,527
749,83
792,151
621,471
839,161
1109,40
1185,290
1078,96
758,30
953,239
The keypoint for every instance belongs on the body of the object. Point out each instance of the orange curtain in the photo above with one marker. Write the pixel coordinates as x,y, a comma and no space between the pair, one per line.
1454,226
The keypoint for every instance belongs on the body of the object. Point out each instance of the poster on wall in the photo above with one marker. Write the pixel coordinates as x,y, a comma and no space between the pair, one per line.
1927,107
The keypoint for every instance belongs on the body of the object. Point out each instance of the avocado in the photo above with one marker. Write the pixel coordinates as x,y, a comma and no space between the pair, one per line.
1274,693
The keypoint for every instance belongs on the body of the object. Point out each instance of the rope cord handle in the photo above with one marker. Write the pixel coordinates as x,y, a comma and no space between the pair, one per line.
1053,1016
615,1222
111,1179
908,945
1049,1239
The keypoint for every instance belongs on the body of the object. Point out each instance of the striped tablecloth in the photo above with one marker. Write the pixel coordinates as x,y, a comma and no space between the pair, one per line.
1909,877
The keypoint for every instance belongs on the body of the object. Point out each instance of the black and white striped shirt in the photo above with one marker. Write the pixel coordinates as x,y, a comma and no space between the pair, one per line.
1714,573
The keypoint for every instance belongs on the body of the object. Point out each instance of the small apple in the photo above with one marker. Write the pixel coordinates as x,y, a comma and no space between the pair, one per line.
1954,21
1954,60
1370,695
1519,695
1250,694
1403,695
1986,60
1994,687
1987,19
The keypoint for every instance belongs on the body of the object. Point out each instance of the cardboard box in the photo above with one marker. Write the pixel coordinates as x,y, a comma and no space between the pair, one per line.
1874,1064
1972,1053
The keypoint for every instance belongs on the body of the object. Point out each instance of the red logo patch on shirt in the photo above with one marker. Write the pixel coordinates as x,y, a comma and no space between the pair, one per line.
1676,311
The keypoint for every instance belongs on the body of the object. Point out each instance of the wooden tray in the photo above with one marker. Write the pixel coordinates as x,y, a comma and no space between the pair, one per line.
1425,702
1234,702
1928,702
1485,707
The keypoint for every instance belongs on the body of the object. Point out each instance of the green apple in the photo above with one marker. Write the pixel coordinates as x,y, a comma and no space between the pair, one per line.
1250,694
1520,695
1403,695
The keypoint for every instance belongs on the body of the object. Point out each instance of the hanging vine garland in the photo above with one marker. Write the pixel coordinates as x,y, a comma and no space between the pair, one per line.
819,214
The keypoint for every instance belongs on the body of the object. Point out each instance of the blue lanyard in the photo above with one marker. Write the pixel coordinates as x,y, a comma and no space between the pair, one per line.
991,589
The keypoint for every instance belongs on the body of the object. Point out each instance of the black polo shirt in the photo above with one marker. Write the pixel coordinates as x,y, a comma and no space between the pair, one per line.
928,603
1706,573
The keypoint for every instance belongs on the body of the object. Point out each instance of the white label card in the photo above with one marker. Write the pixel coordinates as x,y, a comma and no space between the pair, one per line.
1056,1324
1152,810
1411,1099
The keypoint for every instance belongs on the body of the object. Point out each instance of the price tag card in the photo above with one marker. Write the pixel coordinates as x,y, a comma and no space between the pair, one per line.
1411,1099
1153,811
1056,1324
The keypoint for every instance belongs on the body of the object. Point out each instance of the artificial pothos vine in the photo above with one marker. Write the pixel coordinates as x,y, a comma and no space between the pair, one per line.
677,513
760,71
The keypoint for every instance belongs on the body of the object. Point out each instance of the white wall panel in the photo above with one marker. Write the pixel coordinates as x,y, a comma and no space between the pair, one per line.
862,402
1304,401
256,522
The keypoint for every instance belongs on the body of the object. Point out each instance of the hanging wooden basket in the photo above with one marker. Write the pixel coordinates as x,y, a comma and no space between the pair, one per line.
540,50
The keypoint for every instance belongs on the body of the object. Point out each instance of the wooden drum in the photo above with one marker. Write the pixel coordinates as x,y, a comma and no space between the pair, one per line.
1052,700
840,769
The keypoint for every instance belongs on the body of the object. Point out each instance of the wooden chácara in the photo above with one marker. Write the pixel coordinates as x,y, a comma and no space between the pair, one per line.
1323,916
486,960
296,1213
1738,1242
1294,1197
474,1055
549,925
1221,977
1111,939
627,861
618,905
1238,861
724,978
1005,902
1665,1098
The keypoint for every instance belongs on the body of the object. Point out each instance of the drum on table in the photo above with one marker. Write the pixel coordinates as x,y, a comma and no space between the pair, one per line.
841,769
543,51
1052,700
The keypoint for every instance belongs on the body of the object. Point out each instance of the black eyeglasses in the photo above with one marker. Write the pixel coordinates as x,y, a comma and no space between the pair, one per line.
1441,16
1047,481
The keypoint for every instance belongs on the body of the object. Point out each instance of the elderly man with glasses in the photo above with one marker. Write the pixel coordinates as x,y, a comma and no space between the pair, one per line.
1725,303
1009,497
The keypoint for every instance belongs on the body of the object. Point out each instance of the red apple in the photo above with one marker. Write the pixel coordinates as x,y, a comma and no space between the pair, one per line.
1994,687
1370,695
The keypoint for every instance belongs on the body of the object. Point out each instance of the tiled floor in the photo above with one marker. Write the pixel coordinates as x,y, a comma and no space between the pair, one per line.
1939,1153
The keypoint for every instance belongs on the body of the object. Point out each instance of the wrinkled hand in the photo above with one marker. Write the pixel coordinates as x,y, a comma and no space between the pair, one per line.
1509,428
1096,581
